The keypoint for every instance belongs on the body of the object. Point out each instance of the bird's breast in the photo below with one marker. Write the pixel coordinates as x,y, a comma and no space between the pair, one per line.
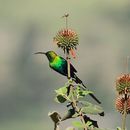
58,66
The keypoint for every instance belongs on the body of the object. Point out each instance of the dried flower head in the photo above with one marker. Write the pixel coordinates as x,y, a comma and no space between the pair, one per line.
66,39
123,84
120,102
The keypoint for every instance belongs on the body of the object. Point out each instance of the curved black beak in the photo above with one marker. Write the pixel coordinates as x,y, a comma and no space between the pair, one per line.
40,53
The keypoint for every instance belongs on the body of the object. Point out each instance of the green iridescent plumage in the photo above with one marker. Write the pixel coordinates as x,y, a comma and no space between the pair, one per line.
59,64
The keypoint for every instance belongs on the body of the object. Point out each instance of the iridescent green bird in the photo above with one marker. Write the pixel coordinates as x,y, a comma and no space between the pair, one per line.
59,64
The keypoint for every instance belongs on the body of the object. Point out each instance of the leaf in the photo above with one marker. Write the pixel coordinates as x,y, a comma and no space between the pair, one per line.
55,116
61,91
81,93
87,92
78,124
60,99
118,128
89,123
89,108
85,103
101,129
69,114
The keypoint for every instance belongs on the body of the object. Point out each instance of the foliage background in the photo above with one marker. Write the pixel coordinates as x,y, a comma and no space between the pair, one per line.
27,83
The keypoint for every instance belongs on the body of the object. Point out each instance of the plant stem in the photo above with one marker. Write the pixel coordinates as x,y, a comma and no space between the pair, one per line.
72,90
67,51
56,127
124,114
124,117
74,104
66,21
68,65
77,109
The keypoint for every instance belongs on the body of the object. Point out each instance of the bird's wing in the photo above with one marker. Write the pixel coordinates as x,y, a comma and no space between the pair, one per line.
73,70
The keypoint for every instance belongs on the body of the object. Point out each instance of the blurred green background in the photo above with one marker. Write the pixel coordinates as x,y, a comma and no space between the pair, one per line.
27,84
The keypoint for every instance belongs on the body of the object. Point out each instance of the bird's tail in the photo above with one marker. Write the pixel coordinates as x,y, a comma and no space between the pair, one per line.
79,81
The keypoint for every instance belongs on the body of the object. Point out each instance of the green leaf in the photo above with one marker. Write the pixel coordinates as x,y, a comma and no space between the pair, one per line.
87,92
81,93
88,123
55,116
89,108
69,114
60,99
78,124
61,91
118,128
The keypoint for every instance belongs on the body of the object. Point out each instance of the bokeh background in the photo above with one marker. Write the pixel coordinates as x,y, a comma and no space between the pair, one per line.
27,84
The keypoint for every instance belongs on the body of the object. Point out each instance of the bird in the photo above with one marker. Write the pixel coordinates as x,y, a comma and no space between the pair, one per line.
59,64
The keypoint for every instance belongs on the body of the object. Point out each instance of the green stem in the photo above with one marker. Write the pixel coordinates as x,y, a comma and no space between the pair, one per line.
68,66
69,76
124,116
66,21
72,90
77,109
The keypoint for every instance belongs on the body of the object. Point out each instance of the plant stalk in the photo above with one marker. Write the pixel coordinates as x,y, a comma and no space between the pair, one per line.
78,110
68,66
69,76
73,99
56,127
124,114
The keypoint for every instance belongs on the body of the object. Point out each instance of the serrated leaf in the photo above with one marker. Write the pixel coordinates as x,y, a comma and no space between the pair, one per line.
89,108
78,124
61,91
60,99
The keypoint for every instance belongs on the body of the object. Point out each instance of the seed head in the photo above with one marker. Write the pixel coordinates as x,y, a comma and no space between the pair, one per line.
120,102
66,39
123,84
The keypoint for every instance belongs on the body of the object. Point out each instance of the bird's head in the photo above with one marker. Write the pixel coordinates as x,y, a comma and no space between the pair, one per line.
50,55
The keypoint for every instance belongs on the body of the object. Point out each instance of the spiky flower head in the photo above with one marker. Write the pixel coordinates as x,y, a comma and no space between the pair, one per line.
123,84
120,104
66,39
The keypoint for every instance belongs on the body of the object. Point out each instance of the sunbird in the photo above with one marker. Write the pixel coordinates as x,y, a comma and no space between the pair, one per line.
59,64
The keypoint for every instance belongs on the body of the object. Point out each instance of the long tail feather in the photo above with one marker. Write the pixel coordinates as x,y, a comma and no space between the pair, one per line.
92,95
77,80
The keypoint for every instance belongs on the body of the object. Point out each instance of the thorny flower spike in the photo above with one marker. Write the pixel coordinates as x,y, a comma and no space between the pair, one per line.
66,39
119,104
123,84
